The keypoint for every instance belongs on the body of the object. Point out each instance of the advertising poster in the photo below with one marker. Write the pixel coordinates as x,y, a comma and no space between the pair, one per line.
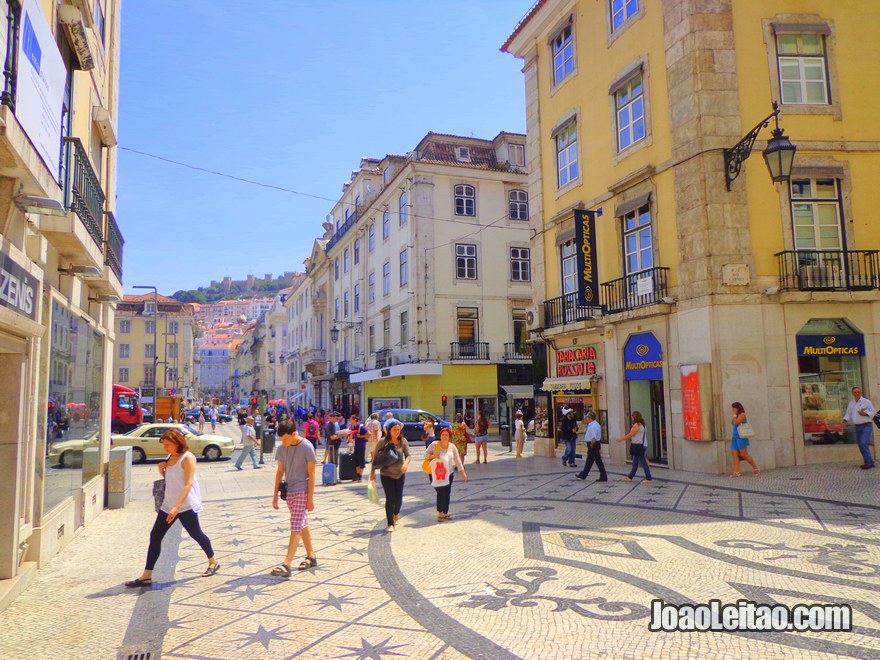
41,79
690,402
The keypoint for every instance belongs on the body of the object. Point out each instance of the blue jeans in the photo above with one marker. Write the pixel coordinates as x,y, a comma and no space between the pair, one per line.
570,453
863,436
248,450
640,459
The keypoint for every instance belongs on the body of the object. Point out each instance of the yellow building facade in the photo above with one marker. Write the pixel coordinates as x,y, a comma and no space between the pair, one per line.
706,295
61,271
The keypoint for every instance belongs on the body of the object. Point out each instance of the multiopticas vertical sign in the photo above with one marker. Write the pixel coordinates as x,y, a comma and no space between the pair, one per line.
587,270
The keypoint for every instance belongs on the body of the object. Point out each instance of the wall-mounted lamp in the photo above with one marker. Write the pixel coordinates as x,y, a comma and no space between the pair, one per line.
669,300
779,153
109,299
85,272
334,331
44,205
595,378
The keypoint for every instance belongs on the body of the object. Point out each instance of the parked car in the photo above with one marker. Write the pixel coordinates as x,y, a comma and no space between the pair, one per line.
148,416
193,415
69,453
413,421
144,441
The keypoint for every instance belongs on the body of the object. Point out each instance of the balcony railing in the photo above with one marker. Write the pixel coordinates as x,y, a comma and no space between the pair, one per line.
82,188
469,350
113,246
383,358
517,351
343,229
344,368
565,309
829,270
636,290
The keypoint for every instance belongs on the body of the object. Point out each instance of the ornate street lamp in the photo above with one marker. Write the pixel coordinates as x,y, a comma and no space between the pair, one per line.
779,153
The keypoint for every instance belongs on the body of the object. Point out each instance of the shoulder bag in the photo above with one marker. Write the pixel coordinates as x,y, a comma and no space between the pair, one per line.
387,456
745,430
158,493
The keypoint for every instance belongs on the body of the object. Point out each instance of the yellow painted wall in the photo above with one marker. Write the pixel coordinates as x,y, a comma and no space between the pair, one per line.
425,392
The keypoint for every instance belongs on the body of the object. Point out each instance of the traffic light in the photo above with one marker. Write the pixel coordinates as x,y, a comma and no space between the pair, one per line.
443,398
254,401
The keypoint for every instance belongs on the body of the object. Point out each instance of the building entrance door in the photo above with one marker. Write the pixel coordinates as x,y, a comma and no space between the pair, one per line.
16,471
646,396
466,406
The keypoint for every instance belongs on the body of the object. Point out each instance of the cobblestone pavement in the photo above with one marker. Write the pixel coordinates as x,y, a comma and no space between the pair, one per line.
534,564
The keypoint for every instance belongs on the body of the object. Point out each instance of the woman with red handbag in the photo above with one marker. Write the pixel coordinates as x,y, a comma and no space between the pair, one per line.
445,460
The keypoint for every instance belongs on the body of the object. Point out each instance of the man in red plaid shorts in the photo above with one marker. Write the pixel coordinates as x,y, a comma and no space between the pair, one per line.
296,465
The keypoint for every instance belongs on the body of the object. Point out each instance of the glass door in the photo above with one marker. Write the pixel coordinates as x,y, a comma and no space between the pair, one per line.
466,406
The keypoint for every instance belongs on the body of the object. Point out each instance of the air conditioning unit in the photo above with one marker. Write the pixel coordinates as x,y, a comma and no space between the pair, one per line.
535,317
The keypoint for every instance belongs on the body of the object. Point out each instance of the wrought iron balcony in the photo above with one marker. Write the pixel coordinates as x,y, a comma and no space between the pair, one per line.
113,246
10,68
383,358
82,188
342,231
469,350
641,289
565,309
344,368
517,351
829,270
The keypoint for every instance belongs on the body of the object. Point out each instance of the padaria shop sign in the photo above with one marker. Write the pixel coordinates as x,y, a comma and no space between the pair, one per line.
576,361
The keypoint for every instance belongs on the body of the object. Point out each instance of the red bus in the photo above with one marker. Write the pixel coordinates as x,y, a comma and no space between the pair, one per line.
126,410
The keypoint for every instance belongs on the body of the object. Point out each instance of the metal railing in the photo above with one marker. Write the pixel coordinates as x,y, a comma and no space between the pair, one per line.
383,358
647,287
10,61
344,367
113,246
469,350
566,309
517,351
82,188
829,270
343,229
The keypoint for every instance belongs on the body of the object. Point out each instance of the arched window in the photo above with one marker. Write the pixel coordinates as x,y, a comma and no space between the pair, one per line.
465,200
519,204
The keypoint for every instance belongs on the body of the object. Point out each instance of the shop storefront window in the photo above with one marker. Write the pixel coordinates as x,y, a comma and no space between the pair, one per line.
489,405
830,356
74,406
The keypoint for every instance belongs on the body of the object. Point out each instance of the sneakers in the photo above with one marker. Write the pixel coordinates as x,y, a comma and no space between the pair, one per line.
238,467
389,529
867,467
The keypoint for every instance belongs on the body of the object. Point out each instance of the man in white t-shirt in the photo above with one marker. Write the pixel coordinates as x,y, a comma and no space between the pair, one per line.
593,438
860,413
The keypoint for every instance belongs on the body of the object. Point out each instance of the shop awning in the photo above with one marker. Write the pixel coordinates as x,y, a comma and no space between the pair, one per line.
563,383
519,391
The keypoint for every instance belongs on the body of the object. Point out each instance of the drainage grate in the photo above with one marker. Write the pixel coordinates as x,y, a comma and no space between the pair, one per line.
145,655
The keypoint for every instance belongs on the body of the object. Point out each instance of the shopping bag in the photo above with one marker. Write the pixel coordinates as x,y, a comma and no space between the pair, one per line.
372,492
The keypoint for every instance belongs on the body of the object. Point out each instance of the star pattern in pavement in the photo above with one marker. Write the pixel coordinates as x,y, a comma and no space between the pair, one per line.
261,636
248,592
242,563
371,651
335,601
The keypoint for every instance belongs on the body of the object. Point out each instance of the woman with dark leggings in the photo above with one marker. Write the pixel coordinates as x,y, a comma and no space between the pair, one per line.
393,476
182,501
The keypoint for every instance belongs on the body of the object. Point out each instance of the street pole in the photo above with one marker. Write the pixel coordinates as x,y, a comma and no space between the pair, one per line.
155,340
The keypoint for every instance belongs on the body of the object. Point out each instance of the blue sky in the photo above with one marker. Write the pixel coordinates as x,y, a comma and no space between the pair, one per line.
293,94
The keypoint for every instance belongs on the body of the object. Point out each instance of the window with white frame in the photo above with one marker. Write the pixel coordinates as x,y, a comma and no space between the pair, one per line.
566,154
803,69
173,327
520,268
172,350
100,22
815,214
465,261
149,326
149,308
404,327
357,298
125,327
386,332
371,237
386,278
345,264
345,304
404,268
516,154
465,200
630,103
568,259
124,351
336,269
402,208
371,287
638,240
371,339
335,308
621,10
563,55
123,375
357,251
149,350
518,202
386,225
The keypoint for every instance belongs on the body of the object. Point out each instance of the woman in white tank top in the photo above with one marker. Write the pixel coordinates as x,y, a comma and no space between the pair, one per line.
182,500
637,447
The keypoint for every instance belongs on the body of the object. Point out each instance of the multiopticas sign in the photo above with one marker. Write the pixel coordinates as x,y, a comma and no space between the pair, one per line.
828,345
